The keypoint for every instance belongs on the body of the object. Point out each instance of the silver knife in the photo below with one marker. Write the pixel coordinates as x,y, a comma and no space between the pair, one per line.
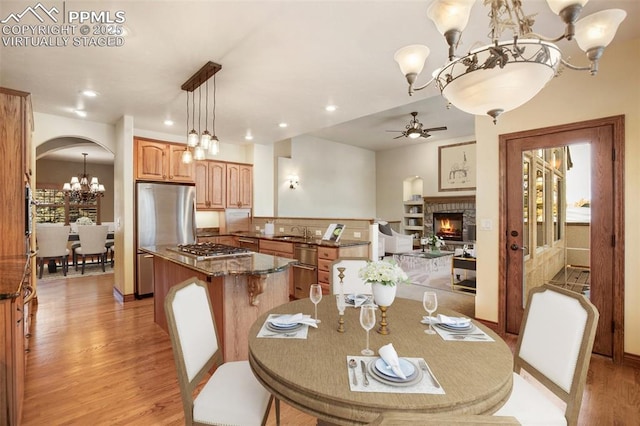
364,373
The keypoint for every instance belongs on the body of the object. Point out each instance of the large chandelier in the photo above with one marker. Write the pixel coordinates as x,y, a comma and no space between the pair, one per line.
504,75
83,188
198,143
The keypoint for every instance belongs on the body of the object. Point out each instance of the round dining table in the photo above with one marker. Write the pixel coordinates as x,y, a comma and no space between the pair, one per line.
311,374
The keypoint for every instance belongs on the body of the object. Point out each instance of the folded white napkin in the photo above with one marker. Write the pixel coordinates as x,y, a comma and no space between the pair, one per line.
390,356
299,318
359,299
454,321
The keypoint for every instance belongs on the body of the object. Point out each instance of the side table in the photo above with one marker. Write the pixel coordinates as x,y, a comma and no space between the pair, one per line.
467,264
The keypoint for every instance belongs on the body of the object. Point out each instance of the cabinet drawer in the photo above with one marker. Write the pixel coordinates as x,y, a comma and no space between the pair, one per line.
324,264
323,277
325,289
278,246
327,253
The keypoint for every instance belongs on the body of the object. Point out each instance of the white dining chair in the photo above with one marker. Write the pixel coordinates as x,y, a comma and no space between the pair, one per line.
52,244
554,347
352,283
232,395
92,243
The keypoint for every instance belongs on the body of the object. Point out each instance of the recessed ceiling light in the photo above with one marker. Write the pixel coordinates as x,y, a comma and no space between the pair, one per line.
89,93
249,137
168,122
283,125
80,113
331,108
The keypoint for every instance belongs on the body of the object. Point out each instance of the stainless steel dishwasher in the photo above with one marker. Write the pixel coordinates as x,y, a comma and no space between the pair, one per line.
305,273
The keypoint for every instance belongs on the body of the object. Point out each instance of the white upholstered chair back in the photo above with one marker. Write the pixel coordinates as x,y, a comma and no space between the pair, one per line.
554,347
92,239
352,283
52,240
194,326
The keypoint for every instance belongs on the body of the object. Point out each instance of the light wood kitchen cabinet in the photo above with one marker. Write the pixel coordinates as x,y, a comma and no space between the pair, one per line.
326,255
161,162
239,185
211,185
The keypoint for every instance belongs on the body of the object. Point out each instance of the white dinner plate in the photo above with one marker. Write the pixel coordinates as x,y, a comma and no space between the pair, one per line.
446,327
387,380
277,329
405,366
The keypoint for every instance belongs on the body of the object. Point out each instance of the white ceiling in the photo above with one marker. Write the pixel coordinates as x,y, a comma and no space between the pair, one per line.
281,61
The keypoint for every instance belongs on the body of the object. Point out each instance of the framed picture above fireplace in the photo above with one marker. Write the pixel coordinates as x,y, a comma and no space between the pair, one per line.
457,167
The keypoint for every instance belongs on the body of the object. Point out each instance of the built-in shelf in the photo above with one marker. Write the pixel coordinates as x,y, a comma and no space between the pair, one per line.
413,219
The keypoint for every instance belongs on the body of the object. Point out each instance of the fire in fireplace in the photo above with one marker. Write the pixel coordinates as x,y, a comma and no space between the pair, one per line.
448,226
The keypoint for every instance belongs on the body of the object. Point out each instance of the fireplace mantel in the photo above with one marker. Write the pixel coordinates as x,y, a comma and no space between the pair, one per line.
443,200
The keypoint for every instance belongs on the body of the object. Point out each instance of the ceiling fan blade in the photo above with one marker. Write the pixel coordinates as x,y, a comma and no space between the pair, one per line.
400,131
401,136
434,129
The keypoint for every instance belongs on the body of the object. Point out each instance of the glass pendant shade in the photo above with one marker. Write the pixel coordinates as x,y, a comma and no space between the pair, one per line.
193,138
205,140
598,29
450,14
414,133
198,153
214,146
558,6
496,90
187,157
66,187
411,58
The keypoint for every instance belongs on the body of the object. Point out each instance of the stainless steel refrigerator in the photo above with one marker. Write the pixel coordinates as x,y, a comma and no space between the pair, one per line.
165,214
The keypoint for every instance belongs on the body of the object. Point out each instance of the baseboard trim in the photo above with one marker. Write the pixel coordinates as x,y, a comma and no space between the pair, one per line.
122,298
631,360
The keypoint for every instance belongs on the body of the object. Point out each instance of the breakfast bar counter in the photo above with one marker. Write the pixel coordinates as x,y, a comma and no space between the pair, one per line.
241,288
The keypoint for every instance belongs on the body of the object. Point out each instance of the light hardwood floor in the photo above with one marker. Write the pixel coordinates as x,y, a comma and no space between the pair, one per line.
95,361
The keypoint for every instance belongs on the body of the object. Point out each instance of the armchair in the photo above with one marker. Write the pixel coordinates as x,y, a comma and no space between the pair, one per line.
394,242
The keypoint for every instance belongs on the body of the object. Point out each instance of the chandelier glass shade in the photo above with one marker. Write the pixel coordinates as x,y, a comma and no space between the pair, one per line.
508,73
83,188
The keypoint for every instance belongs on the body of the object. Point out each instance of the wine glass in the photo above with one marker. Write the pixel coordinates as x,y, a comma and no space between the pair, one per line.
430,303
315,294
367,321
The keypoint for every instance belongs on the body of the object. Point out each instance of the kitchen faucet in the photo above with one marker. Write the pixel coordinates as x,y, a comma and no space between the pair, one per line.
302,229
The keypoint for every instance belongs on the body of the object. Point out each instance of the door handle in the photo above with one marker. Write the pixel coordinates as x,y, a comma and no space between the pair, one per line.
516,247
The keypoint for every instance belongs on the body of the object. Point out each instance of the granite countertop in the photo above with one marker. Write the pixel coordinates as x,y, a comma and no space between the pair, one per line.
13,268
299,239
250,264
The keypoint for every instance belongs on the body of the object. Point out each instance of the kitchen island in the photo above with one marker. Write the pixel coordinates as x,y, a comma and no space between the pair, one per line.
241,288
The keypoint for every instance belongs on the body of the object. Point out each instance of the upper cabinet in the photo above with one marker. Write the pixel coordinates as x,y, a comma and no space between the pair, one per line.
211,182
239,185
161,161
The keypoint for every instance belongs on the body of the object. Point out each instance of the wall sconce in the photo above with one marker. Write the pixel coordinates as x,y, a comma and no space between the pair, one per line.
294,181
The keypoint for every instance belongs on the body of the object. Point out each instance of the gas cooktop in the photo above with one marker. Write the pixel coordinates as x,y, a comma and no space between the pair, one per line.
203,251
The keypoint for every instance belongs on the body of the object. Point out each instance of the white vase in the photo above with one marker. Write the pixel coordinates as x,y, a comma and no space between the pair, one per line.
383,295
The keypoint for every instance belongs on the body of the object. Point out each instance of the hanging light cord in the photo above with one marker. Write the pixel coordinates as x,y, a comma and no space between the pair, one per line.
199,107
206,105
214,104
187,112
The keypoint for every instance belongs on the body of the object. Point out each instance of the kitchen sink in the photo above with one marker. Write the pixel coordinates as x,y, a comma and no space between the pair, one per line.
288,237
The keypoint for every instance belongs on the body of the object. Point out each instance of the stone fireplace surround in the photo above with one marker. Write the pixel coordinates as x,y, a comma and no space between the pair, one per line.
464,204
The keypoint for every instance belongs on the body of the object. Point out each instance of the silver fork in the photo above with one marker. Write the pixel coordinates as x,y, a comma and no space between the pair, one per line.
425,368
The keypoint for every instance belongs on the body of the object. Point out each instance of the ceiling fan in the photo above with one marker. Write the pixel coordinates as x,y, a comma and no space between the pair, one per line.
414,129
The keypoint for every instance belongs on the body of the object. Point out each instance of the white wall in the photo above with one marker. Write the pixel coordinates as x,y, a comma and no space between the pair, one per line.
263,179
336,180
396,165
572,97
47,127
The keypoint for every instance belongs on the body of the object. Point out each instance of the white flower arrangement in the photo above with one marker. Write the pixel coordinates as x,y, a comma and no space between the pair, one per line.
435,241
84,220
380,271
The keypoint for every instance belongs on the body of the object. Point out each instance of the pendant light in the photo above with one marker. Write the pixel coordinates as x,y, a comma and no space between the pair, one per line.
214,146
199,143
205,138
192,137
